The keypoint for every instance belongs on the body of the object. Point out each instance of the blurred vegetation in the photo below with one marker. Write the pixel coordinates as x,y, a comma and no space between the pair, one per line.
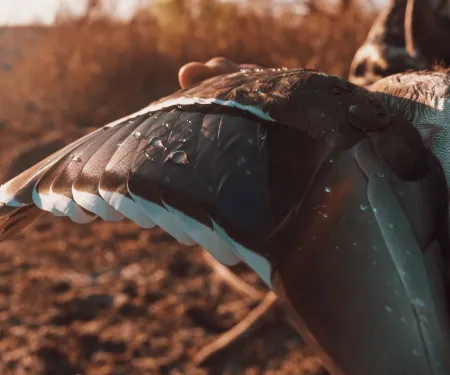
87,70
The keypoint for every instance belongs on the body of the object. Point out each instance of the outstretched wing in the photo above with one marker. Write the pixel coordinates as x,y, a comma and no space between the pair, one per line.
225,164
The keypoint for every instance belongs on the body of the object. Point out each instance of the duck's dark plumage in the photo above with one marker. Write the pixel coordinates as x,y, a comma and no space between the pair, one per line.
405,58
299,174
417,85
354,279
224,128
324,188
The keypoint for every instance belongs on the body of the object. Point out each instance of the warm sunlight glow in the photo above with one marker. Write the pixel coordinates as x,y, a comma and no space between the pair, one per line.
44,11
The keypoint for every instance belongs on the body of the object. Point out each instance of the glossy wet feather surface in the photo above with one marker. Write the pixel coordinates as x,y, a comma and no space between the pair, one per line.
224,164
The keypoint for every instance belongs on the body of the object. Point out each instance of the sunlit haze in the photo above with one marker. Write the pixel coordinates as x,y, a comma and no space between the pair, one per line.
44,11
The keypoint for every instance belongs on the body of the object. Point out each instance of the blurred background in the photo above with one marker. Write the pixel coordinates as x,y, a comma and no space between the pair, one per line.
110,298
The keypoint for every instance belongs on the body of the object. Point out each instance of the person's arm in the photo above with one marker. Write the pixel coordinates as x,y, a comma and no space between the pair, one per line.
195,72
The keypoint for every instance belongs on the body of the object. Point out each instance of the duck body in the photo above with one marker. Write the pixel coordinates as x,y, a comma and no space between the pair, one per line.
398,60
352,279
315,183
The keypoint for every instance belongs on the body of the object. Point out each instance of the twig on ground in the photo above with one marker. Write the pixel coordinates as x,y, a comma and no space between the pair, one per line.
240,330
230,278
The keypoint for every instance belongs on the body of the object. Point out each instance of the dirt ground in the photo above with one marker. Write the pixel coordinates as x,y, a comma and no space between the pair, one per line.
112,298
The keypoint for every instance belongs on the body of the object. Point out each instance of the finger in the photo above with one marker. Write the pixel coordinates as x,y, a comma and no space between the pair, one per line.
221,65
194,72
224,65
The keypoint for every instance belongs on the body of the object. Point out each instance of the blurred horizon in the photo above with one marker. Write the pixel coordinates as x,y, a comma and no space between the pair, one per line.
96,67
28,12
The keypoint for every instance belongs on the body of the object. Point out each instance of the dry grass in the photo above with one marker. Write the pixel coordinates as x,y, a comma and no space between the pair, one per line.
91,69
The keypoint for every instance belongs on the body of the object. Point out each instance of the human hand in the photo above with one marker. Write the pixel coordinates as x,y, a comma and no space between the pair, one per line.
195,72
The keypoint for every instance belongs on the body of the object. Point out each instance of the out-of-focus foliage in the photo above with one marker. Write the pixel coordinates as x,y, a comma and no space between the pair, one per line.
90,69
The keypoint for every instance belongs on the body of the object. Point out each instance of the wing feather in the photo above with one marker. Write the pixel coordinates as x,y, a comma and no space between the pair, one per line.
113,183
85,189
223,164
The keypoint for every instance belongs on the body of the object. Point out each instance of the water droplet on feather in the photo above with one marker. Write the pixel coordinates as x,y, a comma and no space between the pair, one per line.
148,156
179,157
418,302
156,142
240,161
